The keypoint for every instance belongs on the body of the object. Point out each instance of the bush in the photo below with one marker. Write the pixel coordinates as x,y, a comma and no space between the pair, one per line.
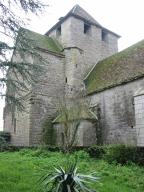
123,154
120,154
96,151
5,135
3,144
79,155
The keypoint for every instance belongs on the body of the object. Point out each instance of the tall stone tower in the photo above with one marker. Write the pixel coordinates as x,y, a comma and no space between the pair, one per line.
85,42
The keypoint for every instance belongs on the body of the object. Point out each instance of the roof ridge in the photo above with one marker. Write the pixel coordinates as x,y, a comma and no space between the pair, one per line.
73,9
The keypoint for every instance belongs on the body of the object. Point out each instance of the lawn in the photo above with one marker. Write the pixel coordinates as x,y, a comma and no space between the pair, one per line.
20,172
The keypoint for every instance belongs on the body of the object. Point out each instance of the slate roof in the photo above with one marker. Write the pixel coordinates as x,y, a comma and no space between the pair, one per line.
42,42
118,69
79,13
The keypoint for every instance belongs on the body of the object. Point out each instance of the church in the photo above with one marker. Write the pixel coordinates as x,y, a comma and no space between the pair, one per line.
81,54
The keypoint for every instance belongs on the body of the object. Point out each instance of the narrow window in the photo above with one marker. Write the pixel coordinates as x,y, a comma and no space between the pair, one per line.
58,32
66,79
104,36
87,28
76,65
14,123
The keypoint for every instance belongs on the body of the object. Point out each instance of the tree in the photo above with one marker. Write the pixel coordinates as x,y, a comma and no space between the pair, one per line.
9,21
17,75
71,111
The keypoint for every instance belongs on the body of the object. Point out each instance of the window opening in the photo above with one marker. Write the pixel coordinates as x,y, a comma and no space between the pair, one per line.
14,123
87,28
104,35
59,31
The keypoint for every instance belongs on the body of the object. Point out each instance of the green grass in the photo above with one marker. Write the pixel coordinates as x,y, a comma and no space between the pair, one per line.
20,171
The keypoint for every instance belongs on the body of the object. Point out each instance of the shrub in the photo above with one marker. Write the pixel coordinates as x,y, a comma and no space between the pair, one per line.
96,151
3,144
81,155
123,154
120,153
5,135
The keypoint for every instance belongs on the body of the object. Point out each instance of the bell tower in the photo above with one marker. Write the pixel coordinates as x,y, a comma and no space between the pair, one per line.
85,42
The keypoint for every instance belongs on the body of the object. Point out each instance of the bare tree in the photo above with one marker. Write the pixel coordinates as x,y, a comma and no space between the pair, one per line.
71,112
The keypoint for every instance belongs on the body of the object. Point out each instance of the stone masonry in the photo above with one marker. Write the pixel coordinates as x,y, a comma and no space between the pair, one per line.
84,42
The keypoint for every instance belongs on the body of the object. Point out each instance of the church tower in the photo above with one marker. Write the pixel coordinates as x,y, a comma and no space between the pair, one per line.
85,42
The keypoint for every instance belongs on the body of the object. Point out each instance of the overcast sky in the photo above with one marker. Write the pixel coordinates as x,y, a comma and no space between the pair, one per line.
124,17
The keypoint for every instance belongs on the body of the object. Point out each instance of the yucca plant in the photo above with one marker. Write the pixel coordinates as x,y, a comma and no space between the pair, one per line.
67,180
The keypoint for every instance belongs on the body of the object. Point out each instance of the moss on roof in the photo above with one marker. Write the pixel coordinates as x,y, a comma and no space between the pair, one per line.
42,41
120,68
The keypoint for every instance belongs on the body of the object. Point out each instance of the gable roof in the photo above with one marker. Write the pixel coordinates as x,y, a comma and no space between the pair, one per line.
39,41
73,114
81,14
117,69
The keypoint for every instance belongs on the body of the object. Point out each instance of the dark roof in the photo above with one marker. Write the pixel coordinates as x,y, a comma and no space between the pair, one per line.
42,42
79,13
120,68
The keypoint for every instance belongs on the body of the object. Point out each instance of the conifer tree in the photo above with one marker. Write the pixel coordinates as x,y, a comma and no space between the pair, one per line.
16,75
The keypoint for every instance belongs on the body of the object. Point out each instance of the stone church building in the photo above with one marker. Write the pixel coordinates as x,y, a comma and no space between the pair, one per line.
82,54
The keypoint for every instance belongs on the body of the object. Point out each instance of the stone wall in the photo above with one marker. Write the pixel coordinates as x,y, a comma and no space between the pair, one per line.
74,70
18,122
82,50
20,134
41,103
61,75
139,117
117,111
18,127
86,134
47,93
95,49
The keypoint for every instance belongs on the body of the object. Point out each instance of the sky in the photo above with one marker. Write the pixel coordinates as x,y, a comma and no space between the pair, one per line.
124,17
